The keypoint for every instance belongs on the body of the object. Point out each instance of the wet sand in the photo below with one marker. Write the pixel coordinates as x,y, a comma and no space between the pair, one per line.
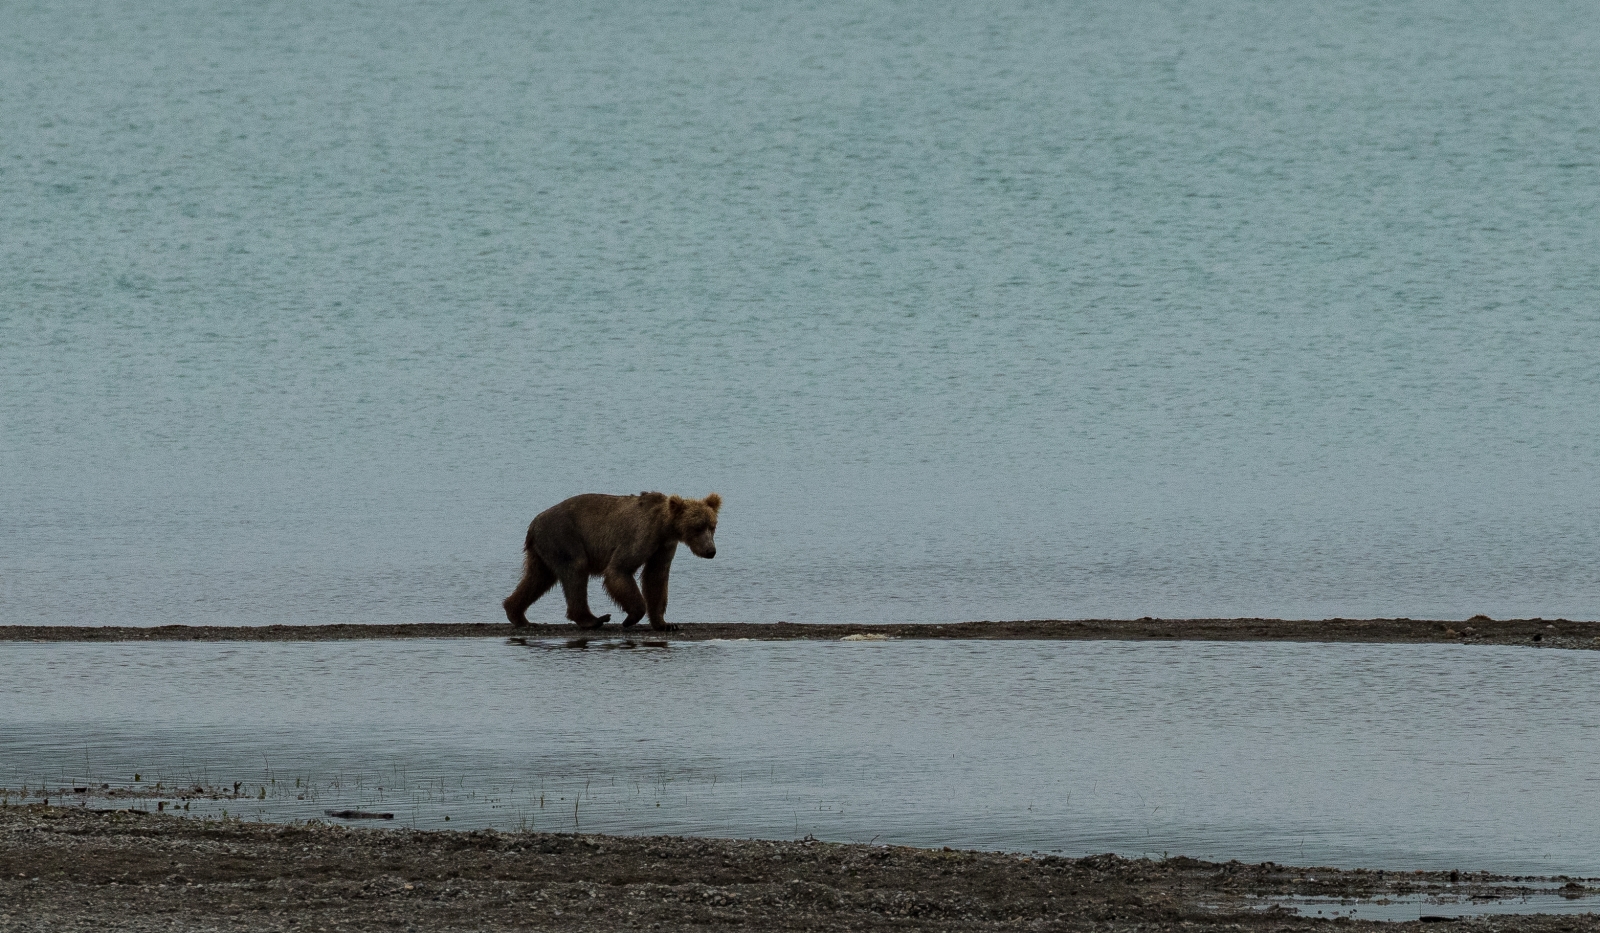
1548,633
73,868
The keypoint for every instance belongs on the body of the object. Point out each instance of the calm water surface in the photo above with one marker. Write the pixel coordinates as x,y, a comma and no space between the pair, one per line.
971,310
1353,755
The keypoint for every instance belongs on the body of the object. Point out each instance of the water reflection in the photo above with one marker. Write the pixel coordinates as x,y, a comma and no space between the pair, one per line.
584,644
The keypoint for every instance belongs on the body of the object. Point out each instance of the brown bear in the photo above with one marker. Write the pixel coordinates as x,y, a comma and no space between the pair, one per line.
596,535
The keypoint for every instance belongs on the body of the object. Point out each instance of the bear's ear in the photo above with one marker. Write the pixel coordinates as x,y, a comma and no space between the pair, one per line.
714,502
675,506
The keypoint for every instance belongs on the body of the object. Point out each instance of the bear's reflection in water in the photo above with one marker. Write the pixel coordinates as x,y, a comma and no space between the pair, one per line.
584,644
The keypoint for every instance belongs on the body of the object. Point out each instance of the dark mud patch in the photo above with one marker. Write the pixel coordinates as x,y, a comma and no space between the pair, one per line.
1533,633
67,868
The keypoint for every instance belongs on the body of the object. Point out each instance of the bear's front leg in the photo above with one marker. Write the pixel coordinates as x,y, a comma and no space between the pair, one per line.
620,585
655,588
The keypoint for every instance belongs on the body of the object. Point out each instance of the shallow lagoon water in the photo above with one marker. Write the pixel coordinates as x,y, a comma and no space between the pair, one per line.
1540,898
1349,755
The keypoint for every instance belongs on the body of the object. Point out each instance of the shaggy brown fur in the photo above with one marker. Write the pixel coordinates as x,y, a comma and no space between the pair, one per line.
612,537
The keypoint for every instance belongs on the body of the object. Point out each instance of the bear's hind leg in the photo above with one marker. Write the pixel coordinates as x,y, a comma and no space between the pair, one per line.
537,578
575,584
622,589
655,591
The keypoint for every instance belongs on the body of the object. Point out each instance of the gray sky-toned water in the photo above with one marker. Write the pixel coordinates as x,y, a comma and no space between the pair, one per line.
1377,756
969,310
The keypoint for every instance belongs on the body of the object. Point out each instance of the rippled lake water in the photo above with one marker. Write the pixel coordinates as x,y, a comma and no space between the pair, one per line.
971,310
1391,756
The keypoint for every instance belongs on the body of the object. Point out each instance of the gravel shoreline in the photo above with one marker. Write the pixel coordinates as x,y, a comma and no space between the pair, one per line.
71,869
1536,633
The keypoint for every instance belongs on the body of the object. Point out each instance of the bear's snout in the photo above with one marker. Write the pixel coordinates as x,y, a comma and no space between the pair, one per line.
710,553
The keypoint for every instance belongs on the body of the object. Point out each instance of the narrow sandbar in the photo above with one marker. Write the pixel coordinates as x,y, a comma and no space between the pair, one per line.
1533,633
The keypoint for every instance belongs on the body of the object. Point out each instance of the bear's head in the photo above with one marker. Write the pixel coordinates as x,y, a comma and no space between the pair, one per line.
695,522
